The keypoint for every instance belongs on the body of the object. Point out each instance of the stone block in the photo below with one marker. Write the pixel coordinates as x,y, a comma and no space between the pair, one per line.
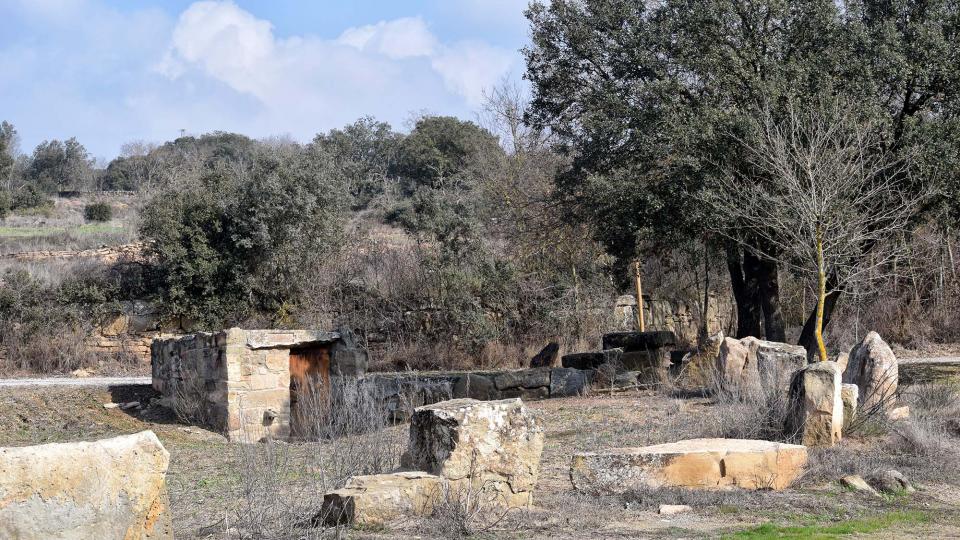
483,442
695,463
566,382
754,367
816,405
592,360
524,378
547,357
375,500
639,341
475,386
112,489
849,395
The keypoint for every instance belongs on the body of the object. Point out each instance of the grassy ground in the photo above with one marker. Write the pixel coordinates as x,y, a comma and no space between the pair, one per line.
205,477
63,227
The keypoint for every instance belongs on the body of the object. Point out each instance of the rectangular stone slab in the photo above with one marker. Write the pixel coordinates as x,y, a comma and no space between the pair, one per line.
694,463
380,498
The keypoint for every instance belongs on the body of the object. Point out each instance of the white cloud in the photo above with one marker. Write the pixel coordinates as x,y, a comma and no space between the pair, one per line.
469,68
364,67
401,38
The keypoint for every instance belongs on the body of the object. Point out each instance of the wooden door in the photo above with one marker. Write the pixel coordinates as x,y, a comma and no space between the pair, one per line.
309,372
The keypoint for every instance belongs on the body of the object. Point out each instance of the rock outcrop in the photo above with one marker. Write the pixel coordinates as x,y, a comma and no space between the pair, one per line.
494,444
816,405
753,367
695,463
112,489
873,367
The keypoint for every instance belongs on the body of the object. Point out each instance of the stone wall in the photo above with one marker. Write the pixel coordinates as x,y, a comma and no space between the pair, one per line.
680,317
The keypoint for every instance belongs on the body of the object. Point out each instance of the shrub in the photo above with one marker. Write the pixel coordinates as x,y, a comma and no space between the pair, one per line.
30,197
5,204
99,211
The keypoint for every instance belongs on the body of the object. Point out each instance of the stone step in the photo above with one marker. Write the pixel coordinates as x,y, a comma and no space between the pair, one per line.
694,463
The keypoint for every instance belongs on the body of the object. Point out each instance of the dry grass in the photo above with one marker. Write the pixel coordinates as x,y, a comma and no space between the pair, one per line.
208,476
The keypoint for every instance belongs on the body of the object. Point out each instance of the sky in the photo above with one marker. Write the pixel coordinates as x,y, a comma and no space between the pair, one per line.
115,71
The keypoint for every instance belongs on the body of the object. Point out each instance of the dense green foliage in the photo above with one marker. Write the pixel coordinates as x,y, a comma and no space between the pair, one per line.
232,242
651,102
99,211
60,165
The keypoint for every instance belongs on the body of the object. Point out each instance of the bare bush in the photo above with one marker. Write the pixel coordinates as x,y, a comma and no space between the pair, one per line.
470,506
282,484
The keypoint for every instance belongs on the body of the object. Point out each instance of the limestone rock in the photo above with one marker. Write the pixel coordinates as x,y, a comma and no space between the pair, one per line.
898,413
476,386
524,378
566,382
495,443
849,395
547,356
855,482
671,509
891,481
842,360
108,489
698,367
873,367
753,366
694,463
377,499
816,406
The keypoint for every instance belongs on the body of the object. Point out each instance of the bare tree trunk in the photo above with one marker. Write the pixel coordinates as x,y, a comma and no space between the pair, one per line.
808,338
774,328
745,294
821,296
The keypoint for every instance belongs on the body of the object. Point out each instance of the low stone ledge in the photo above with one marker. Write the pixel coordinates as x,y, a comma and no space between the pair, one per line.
374,500
694,463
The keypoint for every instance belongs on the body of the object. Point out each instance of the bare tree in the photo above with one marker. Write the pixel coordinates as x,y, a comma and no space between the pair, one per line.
828,190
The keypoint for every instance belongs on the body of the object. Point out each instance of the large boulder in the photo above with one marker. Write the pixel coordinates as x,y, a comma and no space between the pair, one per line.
494,444
108,489
752,366
695,463
816,405
872,366
567,382
377,499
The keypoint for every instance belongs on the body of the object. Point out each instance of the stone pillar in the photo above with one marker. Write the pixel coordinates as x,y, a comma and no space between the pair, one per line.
816,406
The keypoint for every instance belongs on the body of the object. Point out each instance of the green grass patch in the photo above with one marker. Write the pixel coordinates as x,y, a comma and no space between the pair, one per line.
31,232
834,530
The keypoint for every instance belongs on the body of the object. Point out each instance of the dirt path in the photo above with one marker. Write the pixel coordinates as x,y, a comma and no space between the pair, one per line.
73,381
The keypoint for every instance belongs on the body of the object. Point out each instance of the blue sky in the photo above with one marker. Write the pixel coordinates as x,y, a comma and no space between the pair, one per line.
114,71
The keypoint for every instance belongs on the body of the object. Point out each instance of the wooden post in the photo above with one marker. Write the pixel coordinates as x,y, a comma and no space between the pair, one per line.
636,273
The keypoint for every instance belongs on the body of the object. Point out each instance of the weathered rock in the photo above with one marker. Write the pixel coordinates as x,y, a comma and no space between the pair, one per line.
475,386
524,378
593,360
842,360
898,413
671,509
752,367
695,463
547,357
849,394
377,499
855,482
566,382
527,394
496,444
639,341
698,367
873,367
108,489
891,481
816,407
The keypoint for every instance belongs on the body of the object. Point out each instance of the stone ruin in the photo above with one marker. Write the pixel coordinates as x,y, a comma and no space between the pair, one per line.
243,383
488,448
